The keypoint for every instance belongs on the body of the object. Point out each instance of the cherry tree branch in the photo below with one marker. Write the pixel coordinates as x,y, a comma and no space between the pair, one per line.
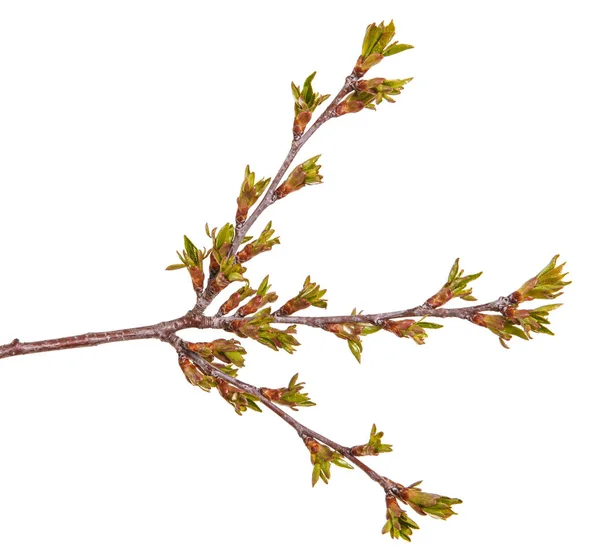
297,144
157,331
269,197
423,310
303,432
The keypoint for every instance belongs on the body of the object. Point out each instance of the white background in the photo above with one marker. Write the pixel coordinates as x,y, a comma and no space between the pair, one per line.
124,125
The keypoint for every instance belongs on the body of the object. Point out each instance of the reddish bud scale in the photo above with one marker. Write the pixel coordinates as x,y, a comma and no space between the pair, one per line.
363,450
496,322
272,394
514,313
197,276
242,328
241,213
191,372
224,388
246,254
293,305
363,65
369,84
294,182
312,445
392,505
440,298
301,121
478,319
230,304
218,283
398,326
337,329
198,347
251,307
348,107
521,294
213,265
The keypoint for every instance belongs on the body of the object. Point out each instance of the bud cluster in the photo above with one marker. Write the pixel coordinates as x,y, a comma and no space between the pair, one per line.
195,376
191,258
250,192
456,287
373,447
240,400
310,295
371,92
376,46
223,269
409,328
262,298
351,332
546,285
290,396
235,300
304,174
306,102
516,322
398,523
263,243
259,328
228,351
423,503
322,457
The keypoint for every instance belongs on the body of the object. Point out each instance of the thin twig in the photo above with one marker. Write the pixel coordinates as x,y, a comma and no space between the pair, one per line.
269,197
297,144
303,431
423,310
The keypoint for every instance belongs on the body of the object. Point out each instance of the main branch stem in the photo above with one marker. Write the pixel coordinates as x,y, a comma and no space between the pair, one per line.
157,331
192,320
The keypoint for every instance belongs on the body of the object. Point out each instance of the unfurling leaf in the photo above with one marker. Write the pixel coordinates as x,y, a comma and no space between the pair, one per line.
263,243
235,299
546,285
517,322
376,45
250,192
259,328
240,400
290,396
306,102
456,287
398,523
409,328
423,503
351,332
373,447
372,92
194,375
191,259
310,295
321,456
304,174
228,351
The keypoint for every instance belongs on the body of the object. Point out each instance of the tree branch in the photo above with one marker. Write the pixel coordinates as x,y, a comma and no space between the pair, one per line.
297,144
269,198
423,310
158,331
303,432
